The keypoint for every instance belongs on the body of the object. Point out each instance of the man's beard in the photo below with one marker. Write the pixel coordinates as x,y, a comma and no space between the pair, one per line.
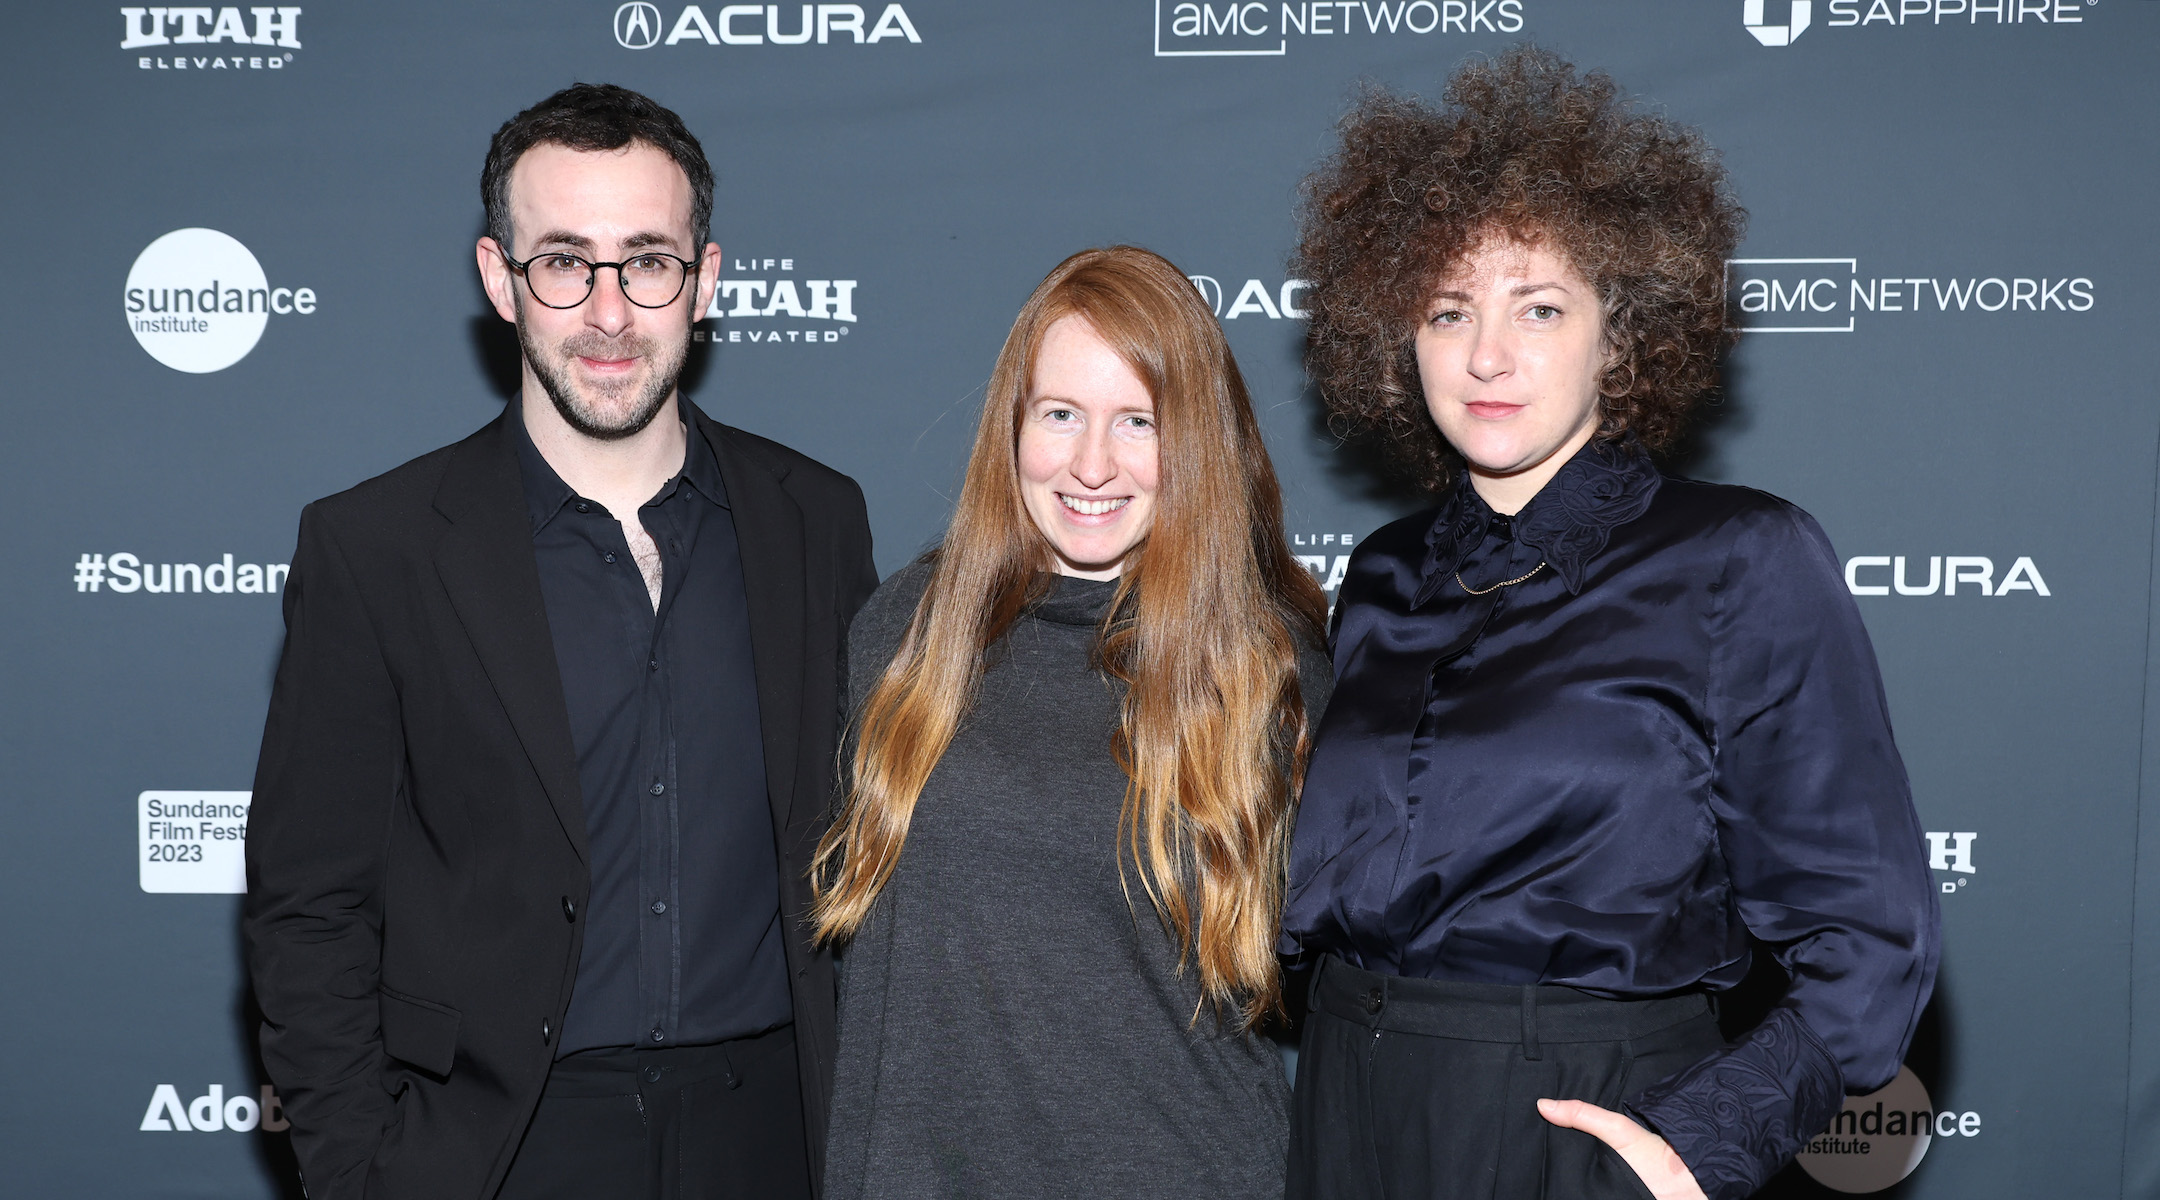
552,365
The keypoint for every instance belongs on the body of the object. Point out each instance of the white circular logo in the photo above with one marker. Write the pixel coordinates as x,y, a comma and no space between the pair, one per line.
197,300
1876,1140
637,25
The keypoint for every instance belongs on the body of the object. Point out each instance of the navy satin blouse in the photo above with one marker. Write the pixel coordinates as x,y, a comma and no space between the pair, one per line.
1670,736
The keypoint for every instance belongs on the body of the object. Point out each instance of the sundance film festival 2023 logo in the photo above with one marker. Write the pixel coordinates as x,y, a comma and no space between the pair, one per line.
641,25
1830,295
193,843
262,40
198,301
1248,28
780,309
1781,22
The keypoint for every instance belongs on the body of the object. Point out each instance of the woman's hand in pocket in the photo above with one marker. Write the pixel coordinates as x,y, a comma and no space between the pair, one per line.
1661,1170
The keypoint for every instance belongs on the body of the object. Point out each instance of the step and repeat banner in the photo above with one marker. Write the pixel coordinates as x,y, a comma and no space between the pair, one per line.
243,278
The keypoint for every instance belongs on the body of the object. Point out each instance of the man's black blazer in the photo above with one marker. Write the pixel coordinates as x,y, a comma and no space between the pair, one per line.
416,848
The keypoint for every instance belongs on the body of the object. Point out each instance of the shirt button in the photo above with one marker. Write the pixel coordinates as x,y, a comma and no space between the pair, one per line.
658,1036
608,557
659,789
652,664
569,909
584,507
658,907
546,1031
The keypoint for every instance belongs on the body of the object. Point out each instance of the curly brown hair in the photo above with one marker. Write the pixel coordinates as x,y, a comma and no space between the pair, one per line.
1523,146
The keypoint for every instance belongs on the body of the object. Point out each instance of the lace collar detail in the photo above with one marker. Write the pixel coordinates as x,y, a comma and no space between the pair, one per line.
1606,485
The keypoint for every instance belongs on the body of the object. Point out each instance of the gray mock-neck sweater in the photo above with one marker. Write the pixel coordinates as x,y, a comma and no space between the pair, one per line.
1011,1026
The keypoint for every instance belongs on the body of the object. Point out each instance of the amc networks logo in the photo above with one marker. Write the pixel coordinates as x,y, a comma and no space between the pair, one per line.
1246,28
1830,295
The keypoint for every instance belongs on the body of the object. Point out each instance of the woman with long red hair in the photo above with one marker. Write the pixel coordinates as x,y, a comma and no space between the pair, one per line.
1078,730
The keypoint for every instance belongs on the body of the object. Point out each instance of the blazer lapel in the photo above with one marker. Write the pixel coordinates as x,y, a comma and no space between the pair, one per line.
769,533
487,566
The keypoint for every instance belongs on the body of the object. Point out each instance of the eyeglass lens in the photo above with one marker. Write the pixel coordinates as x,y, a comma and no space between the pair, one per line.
564,280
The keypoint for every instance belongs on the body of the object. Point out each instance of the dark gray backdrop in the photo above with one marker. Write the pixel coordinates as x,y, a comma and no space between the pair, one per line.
1914,141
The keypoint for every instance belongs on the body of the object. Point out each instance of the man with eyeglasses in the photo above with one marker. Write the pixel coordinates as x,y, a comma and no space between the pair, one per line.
552,738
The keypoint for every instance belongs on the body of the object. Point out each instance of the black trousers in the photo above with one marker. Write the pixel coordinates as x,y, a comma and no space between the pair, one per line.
716,1122
1428,1089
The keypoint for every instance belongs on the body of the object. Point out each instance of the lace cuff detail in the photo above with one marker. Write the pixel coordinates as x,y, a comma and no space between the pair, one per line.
1737,1117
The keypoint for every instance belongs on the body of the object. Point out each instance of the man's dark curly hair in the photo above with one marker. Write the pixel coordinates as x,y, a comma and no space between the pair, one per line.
1526,147
594,116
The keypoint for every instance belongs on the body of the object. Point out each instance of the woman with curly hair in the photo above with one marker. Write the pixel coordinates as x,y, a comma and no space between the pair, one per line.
1596,729
1079,733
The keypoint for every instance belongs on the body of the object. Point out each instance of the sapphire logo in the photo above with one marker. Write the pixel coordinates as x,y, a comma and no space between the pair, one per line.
1901,14
637,25
1796,22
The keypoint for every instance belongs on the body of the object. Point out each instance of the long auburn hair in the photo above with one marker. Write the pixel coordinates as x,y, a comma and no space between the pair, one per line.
1204,630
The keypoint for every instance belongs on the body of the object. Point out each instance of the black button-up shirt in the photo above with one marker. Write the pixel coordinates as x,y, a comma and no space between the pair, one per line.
683,928
1601,745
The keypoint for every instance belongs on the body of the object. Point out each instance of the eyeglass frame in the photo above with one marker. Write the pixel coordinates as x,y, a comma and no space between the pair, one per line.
592,276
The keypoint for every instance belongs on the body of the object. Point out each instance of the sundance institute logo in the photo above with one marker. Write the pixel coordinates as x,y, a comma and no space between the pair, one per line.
1877,1140
197,300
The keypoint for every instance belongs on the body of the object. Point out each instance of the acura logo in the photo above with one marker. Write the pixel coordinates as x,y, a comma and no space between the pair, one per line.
637,25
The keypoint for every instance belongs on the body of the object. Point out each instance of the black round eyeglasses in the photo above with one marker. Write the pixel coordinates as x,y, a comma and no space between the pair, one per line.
649,280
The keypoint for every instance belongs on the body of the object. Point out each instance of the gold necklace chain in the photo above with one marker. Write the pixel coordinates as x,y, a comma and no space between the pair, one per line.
1496,587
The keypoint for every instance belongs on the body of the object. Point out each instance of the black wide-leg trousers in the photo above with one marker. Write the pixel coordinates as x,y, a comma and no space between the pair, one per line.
720,1122
1428,1089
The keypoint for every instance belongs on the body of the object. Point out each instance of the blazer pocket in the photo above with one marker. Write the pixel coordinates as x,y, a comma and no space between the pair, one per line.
420,1032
